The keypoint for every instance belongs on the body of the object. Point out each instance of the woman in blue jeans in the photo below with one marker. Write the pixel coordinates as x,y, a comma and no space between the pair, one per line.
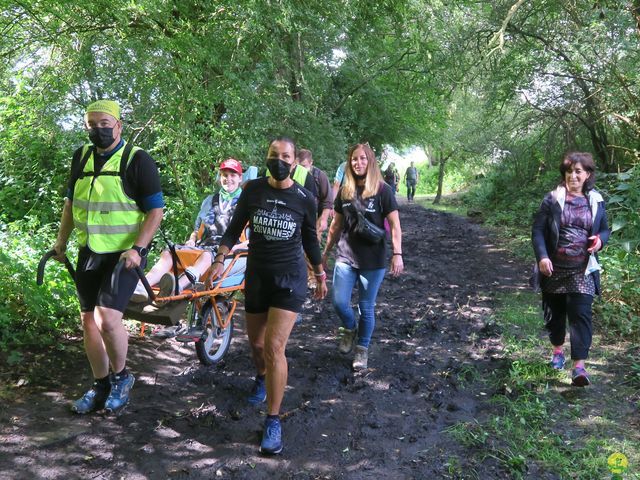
359,260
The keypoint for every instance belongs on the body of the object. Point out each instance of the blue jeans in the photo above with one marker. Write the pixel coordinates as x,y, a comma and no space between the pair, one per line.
344,278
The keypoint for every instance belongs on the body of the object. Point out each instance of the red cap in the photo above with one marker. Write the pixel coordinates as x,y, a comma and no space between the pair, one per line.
231,164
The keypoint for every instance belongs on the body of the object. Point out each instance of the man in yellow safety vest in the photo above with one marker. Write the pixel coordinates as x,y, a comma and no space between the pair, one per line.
114,201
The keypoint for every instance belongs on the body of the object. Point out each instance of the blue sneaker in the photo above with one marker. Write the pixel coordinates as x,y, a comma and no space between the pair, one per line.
557,361
579,377
91,401
119,396
259,392
271,437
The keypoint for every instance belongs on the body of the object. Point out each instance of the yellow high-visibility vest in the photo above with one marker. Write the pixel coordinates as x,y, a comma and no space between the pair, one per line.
107,219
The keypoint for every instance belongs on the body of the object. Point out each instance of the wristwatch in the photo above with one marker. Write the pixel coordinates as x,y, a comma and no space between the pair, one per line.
142,251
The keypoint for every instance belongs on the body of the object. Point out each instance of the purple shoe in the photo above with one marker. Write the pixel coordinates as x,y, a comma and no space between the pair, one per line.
579,377
557,361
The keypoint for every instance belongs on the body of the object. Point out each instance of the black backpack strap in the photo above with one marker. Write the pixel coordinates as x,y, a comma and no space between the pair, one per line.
79,173
124,160
315,173
215,199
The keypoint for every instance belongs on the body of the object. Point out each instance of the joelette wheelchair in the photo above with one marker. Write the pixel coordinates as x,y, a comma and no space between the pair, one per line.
208,307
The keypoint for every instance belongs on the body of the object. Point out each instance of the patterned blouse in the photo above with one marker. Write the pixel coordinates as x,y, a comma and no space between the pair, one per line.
571,257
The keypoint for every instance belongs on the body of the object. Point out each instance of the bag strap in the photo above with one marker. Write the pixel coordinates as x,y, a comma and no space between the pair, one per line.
87,150
175,260
124,163
124,160
215,199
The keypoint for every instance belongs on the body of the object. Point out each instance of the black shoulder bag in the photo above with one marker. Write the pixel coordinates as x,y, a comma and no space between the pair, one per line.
365,229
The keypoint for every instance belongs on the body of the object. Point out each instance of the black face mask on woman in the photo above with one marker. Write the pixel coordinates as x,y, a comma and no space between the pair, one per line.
279,169
101,137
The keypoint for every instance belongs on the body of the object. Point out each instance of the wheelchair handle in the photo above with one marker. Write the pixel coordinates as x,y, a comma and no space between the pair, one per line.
115,278
43,261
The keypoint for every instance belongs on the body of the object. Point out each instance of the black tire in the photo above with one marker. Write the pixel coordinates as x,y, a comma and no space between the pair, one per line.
216,341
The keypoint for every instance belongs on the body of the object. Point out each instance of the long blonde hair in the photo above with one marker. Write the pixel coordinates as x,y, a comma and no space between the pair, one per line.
373,177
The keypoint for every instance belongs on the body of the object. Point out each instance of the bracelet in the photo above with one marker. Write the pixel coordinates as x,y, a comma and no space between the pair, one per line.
218,261
397,254
321,276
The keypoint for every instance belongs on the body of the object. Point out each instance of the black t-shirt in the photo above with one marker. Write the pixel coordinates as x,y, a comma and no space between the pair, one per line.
141,180
281,223
351,249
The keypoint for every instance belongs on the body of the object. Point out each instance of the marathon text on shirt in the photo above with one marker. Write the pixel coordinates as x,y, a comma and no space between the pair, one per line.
273,225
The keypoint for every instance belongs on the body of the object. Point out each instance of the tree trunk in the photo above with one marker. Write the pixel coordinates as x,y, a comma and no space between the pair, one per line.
441,161
429,151
296,62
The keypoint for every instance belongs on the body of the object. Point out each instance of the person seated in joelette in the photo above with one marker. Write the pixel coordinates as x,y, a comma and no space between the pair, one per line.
212,221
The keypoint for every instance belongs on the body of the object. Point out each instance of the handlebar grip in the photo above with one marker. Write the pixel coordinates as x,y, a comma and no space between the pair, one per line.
45,258
70,268
41,265
115,277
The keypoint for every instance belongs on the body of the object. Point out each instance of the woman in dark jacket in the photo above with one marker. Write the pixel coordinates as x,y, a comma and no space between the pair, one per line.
568,229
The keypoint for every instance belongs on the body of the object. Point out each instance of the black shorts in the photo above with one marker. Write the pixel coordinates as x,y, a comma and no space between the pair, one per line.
93,281
265,289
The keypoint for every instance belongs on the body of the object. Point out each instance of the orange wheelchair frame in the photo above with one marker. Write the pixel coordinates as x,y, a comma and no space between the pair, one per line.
209,305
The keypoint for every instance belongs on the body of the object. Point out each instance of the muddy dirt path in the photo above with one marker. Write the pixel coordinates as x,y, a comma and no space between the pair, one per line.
187,421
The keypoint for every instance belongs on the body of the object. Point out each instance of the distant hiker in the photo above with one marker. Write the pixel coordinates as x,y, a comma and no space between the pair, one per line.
212,220
282,222
324,201
392,177
325,194
411,180
360,260
568,230
115,202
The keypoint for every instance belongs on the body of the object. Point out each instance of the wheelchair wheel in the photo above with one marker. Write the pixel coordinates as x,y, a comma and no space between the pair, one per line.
215,342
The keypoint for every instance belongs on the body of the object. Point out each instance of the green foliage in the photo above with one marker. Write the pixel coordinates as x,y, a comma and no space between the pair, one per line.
457,176
621,311
30,314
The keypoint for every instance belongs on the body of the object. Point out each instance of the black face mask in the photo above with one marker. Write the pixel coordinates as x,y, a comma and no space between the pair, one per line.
101,137
279,169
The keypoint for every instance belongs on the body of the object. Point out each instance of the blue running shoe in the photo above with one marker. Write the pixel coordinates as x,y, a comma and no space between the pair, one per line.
259,392
579,377
119,396
271,437
557,361
92,400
